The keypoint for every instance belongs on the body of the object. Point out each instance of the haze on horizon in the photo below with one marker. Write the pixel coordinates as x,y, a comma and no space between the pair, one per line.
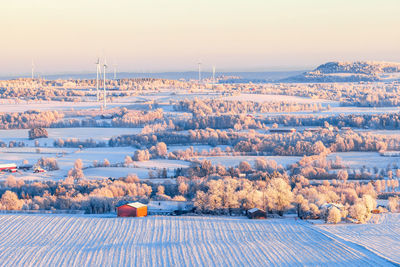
153,36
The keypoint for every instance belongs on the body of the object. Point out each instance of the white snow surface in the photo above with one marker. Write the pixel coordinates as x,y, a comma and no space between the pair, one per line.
381,235
279,98
83,240
368,159
231,161
81,133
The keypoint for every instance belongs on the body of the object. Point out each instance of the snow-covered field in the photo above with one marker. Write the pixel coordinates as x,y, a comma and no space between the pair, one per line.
88,156
114,172
355,160
382,236
82,240
230,161
279,98
81,133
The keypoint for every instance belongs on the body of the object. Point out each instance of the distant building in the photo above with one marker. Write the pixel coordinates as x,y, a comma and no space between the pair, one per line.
25,167
256,213
316,129
135,209
292,130
390,153
10,167
346,129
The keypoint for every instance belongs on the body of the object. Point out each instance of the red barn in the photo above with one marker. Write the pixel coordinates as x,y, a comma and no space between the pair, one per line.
135,209
11,167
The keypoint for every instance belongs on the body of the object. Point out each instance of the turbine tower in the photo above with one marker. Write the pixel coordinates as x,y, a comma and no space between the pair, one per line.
104,83
213,77
98,71
199,73
115,71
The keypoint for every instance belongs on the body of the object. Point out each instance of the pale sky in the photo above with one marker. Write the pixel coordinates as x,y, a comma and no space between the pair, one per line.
172,35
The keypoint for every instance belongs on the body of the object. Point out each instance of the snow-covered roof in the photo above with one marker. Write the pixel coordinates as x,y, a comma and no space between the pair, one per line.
253,210
136,205
8,165
330,205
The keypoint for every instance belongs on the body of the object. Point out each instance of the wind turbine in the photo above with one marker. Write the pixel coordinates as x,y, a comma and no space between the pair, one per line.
104,82
115,71
98,71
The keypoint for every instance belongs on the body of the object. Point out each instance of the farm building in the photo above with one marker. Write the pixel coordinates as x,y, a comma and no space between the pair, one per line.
11,167
390,153
256,213
135,209
292,130
25,167
168,207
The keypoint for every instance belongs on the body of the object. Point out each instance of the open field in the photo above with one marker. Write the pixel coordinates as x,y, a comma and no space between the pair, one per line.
355,160
279,98
381,237
81,133
231,161
80,240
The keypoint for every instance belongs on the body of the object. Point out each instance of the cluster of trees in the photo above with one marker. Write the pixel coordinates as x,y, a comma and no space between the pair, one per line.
370,121
90,196
134,118
75,142
349,94
38,132
28,119
253,143
203,107
38,90
41,89
394,204
225,196
49,164
157,151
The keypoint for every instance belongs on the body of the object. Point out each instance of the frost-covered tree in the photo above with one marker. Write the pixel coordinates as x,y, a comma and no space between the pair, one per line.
279,195
10,201
76,172
183,188
393,204
334,215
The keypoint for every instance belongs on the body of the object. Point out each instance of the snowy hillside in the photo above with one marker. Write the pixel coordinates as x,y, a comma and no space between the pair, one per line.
80,240
382,236
367,71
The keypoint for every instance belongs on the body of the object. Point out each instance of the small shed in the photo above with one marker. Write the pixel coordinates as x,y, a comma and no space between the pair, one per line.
135,209
256,213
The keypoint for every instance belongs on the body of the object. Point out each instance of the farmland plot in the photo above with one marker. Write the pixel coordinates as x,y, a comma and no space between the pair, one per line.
230,161
355,160
82,133
382,235
79,240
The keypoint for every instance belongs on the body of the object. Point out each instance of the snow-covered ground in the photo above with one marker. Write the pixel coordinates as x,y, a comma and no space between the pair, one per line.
81,133
230,161
83,240
66,158
114,172
280,98
382,235
356,160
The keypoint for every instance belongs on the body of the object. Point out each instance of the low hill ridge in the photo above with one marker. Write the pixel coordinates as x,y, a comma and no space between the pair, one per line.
357,71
